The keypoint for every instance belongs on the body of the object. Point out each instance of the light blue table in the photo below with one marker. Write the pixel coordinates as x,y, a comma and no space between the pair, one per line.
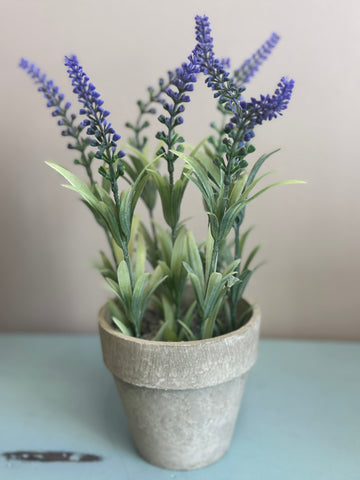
300,417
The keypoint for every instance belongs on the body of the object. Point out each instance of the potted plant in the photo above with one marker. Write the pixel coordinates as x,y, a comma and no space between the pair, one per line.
178,337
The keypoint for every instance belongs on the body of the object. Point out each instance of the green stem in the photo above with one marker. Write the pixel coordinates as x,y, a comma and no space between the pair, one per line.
153,228
171,179
234,301
115,191
215,257
128,263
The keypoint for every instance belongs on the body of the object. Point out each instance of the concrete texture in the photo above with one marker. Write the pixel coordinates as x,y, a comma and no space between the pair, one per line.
181,399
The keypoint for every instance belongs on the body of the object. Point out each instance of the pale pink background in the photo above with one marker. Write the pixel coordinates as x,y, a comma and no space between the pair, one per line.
309,287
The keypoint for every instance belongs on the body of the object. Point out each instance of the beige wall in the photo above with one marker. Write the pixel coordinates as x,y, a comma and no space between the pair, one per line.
309,287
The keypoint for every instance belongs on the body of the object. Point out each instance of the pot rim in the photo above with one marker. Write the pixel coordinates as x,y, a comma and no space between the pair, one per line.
104,324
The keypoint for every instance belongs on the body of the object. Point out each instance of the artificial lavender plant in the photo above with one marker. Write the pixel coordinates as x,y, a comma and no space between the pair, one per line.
215,269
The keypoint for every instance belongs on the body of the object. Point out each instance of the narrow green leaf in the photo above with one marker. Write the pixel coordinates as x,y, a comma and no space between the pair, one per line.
201,174
248,189
213,290
208,254
187,330
284,182
169,316
198,288
237,190
123,328
77,184
194,257
229,217
106,262
140,258
251,256
242,241
133,234
117,313
257,166
124,282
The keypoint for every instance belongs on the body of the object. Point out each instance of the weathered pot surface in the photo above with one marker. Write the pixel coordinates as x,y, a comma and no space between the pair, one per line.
181,399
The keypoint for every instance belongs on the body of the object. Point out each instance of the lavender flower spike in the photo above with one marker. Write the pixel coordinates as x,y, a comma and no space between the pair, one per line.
268,107
54,101
248,69
105,136
218,79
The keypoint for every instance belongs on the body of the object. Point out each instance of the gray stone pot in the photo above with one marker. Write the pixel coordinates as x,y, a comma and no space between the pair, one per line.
181,399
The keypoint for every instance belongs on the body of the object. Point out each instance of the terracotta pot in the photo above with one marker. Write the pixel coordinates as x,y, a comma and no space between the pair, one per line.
181,399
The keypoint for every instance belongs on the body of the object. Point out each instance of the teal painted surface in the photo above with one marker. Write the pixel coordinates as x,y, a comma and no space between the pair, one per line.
300,417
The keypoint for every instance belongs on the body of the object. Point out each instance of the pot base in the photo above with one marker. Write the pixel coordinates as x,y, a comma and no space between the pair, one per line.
182,429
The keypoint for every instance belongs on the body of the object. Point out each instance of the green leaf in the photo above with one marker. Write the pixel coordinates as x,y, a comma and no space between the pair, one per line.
187,330
201,175
140,258
122,327
195,150
208,254
190,314
244,315
228,219
178,254
134,232
242,241
169,316
257,166
104,196
284,182
194,257
160,333
138,299
114,287
155,280
209,165
106,262
125,282
117,313
251,256
213,292
240,287
119,254
170,203
252,185
165,244
77,184
231,268
237,190
198,288
139,155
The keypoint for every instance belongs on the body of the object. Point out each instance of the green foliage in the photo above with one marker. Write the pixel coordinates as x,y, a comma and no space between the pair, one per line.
216,271
195,289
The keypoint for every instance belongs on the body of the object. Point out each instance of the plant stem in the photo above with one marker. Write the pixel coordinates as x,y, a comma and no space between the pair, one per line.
215,257
171,180
153,228
233,289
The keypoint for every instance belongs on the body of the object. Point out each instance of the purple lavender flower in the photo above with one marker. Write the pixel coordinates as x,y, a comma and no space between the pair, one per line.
245,115
248,69
105,136
55,101
268,107
182,79
50,91
218,79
